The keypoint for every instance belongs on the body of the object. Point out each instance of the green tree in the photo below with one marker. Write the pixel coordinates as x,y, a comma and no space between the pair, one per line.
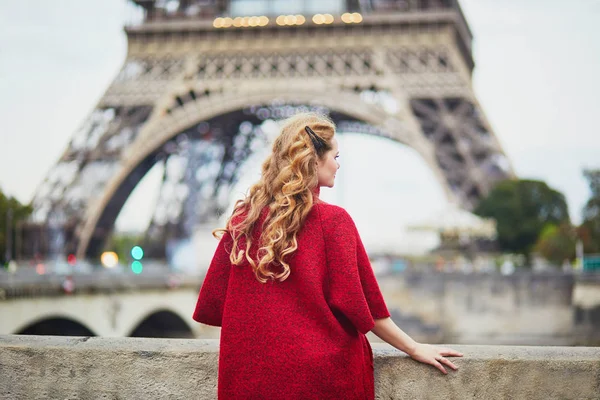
557,243
11,212
590,226
521,209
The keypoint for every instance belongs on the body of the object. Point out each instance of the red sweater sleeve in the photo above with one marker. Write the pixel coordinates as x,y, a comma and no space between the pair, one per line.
211,300
353,289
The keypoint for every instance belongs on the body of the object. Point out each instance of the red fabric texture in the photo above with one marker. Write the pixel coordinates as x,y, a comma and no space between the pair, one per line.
303,338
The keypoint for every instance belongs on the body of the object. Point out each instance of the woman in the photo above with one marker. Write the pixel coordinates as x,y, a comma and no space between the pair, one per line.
292,287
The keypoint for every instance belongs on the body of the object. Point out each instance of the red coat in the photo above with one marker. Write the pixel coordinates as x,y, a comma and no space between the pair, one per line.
303,338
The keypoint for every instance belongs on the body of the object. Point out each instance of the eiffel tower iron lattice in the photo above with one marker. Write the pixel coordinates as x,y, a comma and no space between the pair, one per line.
199,81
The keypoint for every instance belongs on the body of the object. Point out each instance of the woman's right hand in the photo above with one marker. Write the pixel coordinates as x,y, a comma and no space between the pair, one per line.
389,332
434,355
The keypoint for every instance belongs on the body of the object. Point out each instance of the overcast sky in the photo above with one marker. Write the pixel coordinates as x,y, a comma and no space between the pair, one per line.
536,76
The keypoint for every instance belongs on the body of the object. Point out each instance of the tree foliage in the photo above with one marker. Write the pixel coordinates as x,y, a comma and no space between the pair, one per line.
590,227
522,208
557,243
19,212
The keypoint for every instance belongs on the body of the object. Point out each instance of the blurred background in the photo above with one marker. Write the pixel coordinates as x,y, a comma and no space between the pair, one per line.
469,156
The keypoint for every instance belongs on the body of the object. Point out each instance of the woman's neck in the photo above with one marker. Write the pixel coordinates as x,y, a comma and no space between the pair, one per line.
316,191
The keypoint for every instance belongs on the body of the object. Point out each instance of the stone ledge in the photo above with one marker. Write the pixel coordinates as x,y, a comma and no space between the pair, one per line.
53,367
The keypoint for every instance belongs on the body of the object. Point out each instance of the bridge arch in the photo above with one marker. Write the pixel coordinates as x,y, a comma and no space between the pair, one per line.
56,326
162,323
162,127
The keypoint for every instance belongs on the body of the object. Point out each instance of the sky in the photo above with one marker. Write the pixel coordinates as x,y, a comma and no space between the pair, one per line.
536,77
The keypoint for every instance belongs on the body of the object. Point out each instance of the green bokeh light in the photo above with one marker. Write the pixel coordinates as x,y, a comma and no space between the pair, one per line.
137,267
137,253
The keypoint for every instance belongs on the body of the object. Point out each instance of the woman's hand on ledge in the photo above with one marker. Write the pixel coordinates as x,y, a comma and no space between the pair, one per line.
435,356
389,332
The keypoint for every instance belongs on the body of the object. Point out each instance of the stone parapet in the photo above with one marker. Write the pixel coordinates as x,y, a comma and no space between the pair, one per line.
53,367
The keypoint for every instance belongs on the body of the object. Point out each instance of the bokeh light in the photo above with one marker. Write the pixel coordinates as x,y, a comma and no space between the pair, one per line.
40,269
137,267
109,259
352,18
137,252
71,259
218,22
239,22
263,21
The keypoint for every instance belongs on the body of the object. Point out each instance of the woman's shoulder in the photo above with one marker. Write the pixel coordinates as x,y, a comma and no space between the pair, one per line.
330,214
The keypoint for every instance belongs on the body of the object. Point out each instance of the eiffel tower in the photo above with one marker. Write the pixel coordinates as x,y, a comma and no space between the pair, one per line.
202,76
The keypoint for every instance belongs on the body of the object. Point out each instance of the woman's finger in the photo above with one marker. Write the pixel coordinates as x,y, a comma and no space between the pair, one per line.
449,363
439,366
450,352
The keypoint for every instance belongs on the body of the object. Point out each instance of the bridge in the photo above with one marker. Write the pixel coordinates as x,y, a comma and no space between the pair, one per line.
156,303
479,308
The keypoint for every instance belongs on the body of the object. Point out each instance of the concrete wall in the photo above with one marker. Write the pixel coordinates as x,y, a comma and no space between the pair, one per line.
586,302
50,367
521,309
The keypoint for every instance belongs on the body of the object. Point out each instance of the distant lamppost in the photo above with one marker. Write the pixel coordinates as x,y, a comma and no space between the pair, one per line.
8,249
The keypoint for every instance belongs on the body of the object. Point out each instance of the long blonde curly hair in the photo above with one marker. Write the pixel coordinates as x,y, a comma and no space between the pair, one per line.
288,176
